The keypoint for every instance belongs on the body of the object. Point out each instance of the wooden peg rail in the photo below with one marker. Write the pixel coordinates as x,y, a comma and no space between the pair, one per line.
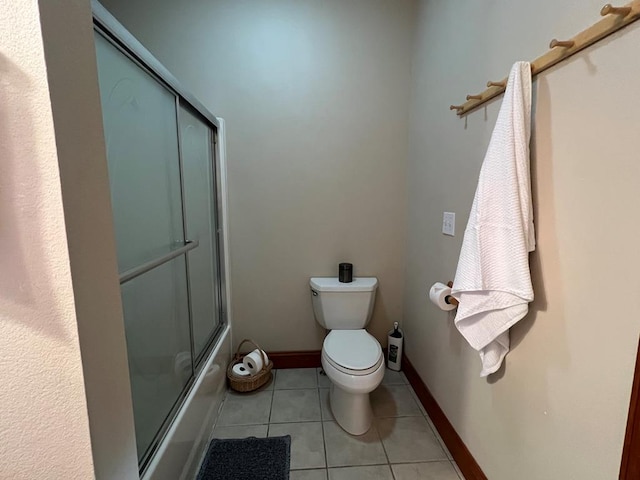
615,18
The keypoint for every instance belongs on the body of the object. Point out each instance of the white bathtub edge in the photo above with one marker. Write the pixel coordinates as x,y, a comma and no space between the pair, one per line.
179,453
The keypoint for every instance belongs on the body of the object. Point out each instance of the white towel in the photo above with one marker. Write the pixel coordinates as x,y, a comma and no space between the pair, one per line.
493,281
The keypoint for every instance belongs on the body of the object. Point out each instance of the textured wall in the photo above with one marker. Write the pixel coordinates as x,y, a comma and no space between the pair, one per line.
558,408
44,429
66,402
315,95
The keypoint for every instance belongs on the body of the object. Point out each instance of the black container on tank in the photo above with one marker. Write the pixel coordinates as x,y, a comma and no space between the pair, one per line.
345,273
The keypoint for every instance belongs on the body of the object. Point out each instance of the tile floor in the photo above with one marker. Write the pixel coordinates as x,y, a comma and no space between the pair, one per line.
402,444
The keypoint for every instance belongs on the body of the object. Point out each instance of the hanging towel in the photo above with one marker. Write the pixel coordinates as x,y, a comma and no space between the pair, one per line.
493,281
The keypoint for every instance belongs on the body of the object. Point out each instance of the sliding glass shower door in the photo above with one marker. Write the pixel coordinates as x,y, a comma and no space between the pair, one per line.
200,224
161,156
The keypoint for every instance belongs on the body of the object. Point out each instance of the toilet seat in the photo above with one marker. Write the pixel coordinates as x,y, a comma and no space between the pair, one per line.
354,352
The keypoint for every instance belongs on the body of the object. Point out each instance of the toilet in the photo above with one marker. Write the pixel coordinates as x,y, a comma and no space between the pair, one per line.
351,357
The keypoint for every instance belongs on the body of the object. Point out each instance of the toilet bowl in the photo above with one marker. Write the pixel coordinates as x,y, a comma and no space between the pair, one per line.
354,363
351,357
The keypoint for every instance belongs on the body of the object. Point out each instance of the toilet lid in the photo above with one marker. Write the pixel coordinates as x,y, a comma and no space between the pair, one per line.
352,349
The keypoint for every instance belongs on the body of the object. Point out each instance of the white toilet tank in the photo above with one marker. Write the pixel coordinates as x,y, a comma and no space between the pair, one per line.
343,306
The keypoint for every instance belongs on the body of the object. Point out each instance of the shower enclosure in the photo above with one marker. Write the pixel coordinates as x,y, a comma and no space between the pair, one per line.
162,153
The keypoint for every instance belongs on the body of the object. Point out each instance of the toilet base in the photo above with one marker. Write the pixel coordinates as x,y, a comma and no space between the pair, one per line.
349,395
352,411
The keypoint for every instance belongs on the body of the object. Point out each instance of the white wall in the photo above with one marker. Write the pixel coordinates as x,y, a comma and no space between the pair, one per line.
66,407
558,408
315,95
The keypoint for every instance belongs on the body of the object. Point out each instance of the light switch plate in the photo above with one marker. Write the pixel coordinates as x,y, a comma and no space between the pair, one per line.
449,223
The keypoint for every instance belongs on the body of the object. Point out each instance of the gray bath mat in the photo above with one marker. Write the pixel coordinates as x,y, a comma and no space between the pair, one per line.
247,458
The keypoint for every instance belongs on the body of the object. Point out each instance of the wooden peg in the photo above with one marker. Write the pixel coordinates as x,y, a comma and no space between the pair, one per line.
501,84
474,97
561,43
609,9
449,299
455,107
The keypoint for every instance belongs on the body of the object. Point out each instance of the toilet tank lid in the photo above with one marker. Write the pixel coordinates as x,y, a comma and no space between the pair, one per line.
332,284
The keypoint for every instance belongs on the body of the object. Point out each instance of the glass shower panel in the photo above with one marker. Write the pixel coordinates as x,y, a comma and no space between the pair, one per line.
158,344
141,132
197,165
140,127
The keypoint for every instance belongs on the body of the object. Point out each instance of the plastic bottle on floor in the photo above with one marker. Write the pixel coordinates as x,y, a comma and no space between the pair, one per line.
394,348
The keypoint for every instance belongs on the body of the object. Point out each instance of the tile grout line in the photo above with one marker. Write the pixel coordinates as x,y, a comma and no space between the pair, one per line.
324,446
273,394
427,419
436,434
386,455
432,427
324,440
315,387
411,462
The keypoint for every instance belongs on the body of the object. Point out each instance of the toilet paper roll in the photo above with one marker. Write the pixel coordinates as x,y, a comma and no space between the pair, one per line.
438,293
240,370
254,361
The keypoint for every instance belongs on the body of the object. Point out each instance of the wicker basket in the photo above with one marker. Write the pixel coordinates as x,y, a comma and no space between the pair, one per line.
248,384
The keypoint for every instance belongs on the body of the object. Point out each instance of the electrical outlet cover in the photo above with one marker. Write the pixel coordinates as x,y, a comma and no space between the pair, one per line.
449,223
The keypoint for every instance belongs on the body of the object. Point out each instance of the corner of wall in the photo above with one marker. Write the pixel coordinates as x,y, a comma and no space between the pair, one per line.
75,104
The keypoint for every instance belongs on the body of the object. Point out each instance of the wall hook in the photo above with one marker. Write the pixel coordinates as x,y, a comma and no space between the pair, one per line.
561,43
609,9
455,107
474,97
501,84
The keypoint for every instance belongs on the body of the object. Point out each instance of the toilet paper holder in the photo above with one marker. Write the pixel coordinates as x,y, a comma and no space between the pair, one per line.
450,299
